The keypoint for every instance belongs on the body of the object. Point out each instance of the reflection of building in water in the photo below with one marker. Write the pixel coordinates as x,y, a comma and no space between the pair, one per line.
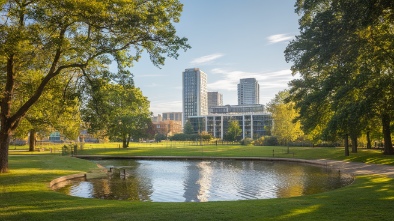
204,181
197,182
189,183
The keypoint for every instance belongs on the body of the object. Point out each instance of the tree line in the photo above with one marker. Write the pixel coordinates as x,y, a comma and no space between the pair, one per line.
344,56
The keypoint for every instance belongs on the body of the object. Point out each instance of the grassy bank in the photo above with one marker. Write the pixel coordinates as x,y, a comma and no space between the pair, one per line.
24,192
194,149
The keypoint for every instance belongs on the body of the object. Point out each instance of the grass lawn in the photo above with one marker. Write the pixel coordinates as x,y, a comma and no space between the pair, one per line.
24,192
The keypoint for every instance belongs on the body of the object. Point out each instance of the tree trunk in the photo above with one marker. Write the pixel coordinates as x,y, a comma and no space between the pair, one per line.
388,145
32,140
4,145
347,145
124,141
354,143
369,145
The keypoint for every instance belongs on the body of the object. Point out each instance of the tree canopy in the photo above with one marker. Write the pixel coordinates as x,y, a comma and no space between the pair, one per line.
118,111
53,38
344,55
283,116
233,130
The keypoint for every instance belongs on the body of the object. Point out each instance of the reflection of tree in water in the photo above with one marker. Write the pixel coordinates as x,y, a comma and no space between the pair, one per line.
119,186
299,180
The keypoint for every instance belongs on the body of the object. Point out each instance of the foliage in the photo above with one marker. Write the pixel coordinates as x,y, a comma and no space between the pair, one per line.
160,137
185,137
247,141
56,38
56,110
266,141
120,110
233,131
345,62
205,136
285,127
188,128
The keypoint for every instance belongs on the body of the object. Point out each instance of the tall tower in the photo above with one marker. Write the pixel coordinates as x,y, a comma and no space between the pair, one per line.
194,96
248,91
214,99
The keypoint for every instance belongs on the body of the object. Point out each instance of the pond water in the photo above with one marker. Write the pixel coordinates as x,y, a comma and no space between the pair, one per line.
205,180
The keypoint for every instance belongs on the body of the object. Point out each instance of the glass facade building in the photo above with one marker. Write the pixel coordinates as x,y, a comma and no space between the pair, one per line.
248,91
194,96
253,125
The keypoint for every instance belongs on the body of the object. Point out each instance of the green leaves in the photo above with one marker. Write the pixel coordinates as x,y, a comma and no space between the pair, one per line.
118,111
343,59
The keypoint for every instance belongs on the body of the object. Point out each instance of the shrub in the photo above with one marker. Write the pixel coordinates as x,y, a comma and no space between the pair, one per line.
160,137
266,141
247,141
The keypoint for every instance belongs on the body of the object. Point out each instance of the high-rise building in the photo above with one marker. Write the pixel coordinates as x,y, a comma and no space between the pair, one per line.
248,91
194,96
214,99
177,116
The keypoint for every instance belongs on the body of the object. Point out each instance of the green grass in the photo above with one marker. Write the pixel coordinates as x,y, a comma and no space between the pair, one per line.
24,192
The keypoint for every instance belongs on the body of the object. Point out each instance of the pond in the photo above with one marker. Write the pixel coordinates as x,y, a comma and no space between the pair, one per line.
204,180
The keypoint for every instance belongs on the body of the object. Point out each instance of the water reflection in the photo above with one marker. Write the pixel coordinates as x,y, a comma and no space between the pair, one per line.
202,181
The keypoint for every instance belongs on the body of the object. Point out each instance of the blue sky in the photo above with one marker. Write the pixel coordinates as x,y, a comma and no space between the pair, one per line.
230,40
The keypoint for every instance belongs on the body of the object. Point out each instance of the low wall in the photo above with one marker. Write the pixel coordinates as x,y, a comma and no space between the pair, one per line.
64,178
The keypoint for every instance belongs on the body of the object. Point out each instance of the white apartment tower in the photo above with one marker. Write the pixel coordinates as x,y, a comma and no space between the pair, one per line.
194,96
248,91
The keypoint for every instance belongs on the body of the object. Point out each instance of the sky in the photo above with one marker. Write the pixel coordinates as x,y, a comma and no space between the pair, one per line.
230,40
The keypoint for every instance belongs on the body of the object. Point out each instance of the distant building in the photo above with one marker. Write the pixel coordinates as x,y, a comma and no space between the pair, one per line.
214,99
55,137
157,118
233,109
168,127
253,125
172,116
84,136
248,91
194,96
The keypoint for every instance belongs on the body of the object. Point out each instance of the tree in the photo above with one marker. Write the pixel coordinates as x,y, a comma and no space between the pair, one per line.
58,37
57,109
345,61
285,127
188,128
160,137
233,131
120,110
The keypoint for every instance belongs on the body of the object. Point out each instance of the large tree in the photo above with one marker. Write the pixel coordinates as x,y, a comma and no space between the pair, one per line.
58,37
345,61
120,111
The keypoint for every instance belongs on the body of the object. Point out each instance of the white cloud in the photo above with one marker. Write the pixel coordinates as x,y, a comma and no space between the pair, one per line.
159,107
206,59
279,38
270,82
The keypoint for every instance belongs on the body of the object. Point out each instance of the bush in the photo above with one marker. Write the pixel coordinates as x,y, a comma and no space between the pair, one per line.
266,141
247,141
185,137
160,137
